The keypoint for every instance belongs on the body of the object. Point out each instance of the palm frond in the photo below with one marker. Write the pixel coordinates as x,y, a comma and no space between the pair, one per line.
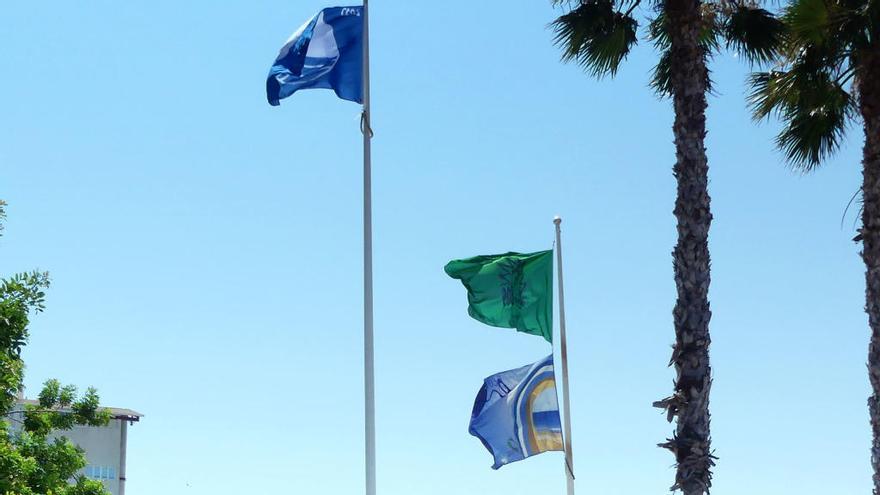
836,30
661,78
767,92
814,108
596,35
754,33
857,26
658,32
810,137
808,21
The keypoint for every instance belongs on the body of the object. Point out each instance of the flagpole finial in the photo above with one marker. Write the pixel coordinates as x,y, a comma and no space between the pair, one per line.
557,220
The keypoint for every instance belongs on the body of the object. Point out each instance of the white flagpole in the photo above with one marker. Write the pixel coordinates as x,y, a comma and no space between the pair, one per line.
369,382
563,351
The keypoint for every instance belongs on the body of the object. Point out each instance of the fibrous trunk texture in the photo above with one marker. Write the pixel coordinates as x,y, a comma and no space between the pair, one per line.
689,404
869,76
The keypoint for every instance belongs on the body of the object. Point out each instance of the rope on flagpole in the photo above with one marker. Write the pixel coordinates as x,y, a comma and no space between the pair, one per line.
365,125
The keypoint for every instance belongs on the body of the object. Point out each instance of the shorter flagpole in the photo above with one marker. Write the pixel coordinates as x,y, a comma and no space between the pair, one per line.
563,352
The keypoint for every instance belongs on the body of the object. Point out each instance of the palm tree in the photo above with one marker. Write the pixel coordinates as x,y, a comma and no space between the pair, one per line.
828,77
598,35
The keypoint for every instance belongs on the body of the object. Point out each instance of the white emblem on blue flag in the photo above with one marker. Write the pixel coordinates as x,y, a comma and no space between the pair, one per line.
323,45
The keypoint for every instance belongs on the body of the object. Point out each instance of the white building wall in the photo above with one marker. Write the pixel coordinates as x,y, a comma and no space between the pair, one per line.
102,446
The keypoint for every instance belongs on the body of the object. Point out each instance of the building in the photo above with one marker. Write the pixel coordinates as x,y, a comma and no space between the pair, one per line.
104,446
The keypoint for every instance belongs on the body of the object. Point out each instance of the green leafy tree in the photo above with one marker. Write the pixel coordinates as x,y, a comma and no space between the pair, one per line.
827,78
33,459
598,35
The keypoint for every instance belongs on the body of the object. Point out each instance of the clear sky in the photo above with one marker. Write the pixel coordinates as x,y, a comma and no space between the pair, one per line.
206,252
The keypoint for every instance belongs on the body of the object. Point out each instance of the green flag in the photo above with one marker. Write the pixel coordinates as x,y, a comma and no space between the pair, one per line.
510,290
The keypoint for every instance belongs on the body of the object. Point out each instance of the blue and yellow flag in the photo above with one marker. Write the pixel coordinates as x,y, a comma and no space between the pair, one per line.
516,414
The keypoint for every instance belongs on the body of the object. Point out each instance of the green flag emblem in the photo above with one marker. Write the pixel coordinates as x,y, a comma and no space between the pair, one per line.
510,290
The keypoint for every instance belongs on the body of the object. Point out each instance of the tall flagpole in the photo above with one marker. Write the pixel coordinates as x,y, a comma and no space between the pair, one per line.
369,382
563,351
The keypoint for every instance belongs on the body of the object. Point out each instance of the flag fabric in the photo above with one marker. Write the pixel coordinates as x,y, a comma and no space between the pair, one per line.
325,52
516,413
510,290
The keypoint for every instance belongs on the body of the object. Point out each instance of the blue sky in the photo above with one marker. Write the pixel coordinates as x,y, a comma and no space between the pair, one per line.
205,251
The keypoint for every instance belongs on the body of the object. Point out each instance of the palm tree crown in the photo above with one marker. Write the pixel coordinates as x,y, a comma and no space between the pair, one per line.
813,89
599,34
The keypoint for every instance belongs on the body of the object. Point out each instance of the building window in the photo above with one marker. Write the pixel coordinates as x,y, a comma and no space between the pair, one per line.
100,472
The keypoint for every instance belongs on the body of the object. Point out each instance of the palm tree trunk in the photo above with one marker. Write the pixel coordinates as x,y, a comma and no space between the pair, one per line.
870,109
690,356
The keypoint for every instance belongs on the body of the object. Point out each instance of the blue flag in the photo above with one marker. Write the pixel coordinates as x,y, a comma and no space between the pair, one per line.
326,52
516,414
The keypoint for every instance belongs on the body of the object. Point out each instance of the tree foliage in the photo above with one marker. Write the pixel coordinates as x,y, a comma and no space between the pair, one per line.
600,34
814,87
34,460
